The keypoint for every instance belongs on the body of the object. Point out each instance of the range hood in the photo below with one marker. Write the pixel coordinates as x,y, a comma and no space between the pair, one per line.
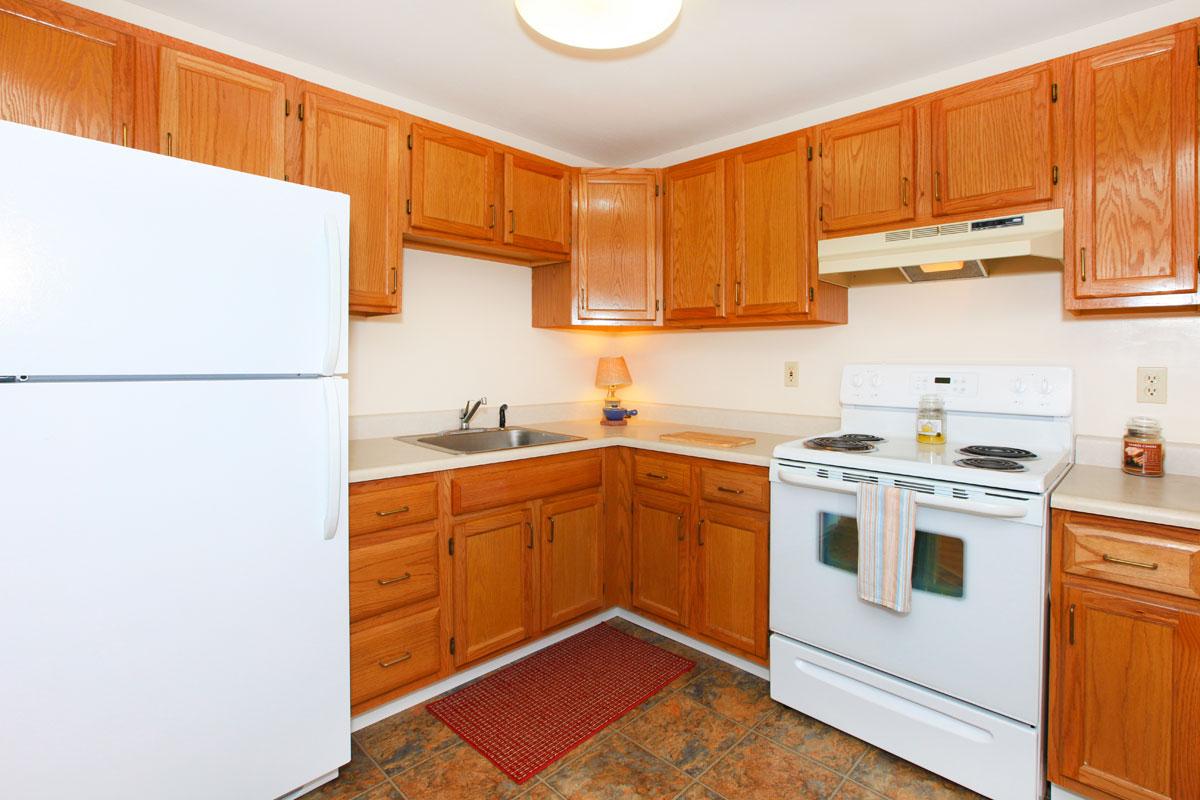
940,247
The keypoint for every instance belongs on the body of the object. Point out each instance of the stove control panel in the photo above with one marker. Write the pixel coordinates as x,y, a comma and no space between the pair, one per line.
1035,391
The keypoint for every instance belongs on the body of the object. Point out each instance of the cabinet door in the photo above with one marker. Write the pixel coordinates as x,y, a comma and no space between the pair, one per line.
1135,174
694,241
771,255
617,264
571,531
732,568
453,183
537,203
992,144
660,555
867,170
493,583
64,74
1128,711
355,147
217,114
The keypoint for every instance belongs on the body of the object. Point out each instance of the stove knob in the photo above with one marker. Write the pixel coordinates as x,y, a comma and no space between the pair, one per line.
1046,388
877,381
856,381
1018,386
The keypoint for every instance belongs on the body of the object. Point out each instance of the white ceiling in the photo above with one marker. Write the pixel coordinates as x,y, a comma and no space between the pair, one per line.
725,66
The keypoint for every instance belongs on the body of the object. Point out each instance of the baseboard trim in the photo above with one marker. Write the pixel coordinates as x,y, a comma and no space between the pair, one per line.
729,658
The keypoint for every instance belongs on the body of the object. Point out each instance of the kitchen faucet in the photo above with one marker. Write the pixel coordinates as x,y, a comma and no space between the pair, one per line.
464,419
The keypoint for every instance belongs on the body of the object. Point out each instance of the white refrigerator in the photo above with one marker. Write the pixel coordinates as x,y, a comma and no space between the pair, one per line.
173,553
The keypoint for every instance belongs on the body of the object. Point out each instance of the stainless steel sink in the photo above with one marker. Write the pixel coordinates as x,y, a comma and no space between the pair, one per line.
487,440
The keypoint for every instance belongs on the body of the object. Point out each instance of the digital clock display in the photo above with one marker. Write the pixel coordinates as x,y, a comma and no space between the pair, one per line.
941,380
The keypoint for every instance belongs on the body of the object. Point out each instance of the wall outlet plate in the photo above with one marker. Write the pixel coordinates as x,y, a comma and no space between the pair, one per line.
1152,384
791,374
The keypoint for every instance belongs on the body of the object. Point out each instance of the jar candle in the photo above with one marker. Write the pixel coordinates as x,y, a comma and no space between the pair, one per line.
1143,452
931,419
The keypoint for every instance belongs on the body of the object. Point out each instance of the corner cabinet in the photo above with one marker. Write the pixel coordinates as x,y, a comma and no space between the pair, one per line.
1134,224
616,265
572,532
695,241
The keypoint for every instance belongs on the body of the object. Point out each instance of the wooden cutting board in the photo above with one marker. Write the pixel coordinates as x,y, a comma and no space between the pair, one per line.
706,439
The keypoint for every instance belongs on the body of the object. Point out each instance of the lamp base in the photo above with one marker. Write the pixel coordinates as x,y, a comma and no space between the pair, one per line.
613,423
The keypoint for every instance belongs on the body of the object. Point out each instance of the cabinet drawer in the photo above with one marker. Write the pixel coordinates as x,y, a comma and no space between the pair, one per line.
1163,564
735,488
518,482
664,474
394,652
392,569
392,507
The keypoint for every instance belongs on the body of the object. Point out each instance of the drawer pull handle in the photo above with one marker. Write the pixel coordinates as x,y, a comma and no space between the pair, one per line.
1127,563
730,491
393,512
658,476
390,581
395,661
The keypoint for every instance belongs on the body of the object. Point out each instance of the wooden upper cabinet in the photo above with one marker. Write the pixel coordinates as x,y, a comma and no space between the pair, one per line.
868,170
1135,175
1127,716
659,559
65,74
771,265
992,144
453,183
572,533
356,147
537,203
732,565
616,262
220,115
695,247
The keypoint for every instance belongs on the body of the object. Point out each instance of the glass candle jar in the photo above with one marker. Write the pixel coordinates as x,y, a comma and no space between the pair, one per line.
1143,453
931,419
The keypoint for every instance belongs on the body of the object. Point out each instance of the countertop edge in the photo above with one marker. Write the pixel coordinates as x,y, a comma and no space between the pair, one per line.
1122,510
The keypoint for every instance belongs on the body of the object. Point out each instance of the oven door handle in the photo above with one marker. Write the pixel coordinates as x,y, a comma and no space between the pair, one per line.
793,478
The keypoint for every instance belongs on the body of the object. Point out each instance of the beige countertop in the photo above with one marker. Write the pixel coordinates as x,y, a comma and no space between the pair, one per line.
1169,500
372,459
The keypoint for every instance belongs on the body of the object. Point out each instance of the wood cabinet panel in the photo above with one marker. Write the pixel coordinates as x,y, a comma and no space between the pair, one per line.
356,147
1135,175
695,247
389,652
736,487
392,569
772,268
494,600
1133,555
662,473
868,172
377,506
499,485
65,74
453,183
220,115
617,252
992,144
572,539
660,555
732,571
537,203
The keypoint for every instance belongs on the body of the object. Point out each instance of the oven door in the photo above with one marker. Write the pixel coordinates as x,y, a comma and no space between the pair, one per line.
975,631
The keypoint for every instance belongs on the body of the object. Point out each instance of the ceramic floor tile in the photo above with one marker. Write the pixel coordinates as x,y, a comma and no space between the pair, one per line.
457,773
384,791
626,626
853,791
405,740
614,768
684,733
538,791
897,779
795,731
701,660
578,753
738,695
759,769
698,791
353,779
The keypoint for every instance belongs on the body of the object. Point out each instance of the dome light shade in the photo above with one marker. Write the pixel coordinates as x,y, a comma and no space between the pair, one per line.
599,24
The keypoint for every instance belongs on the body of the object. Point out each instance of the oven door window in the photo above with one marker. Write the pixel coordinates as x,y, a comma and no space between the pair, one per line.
937,558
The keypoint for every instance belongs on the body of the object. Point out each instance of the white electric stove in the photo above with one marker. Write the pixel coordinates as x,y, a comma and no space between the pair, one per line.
956,685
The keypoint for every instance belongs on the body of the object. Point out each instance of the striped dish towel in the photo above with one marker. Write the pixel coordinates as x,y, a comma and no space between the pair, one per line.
887,519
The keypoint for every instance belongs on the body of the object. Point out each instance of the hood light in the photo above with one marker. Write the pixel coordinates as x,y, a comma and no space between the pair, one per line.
945,270
599,24
942,266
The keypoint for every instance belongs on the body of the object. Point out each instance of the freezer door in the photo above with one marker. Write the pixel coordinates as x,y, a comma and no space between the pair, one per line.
173,588
115,261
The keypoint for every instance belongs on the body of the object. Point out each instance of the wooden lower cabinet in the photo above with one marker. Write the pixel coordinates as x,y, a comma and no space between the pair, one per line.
731,577
1125,683
392,652
660,555
572,534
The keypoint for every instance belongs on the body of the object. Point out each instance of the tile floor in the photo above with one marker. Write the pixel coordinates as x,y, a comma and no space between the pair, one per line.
713,734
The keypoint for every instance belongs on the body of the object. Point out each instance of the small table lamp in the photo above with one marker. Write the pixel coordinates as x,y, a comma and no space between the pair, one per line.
611,372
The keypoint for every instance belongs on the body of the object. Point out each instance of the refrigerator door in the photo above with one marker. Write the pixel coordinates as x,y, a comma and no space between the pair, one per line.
173,588
115,261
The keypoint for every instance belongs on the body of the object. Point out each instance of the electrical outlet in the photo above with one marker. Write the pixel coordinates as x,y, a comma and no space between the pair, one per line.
791,374
1152,384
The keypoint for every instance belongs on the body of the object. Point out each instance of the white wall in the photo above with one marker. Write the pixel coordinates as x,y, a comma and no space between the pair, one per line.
1004,319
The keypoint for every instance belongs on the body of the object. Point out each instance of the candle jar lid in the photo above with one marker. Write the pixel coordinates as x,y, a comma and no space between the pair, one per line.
1143,427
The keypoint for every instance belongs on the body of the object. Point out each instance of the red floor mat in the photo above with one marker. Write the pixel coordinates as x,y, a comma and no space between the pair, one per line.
526,716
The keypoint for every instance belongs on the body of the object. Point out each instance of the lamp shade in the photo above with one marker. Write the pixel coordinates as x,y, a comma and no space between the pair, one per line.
611,371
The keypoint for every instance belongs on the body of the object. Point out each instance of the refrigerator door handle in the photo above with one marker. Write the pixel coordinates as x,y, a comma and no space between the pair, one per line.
333,500
333,245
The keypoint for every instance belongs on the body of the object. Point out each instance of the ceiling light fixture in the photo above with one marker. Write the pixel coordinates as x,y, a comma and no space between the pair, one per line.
599,24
